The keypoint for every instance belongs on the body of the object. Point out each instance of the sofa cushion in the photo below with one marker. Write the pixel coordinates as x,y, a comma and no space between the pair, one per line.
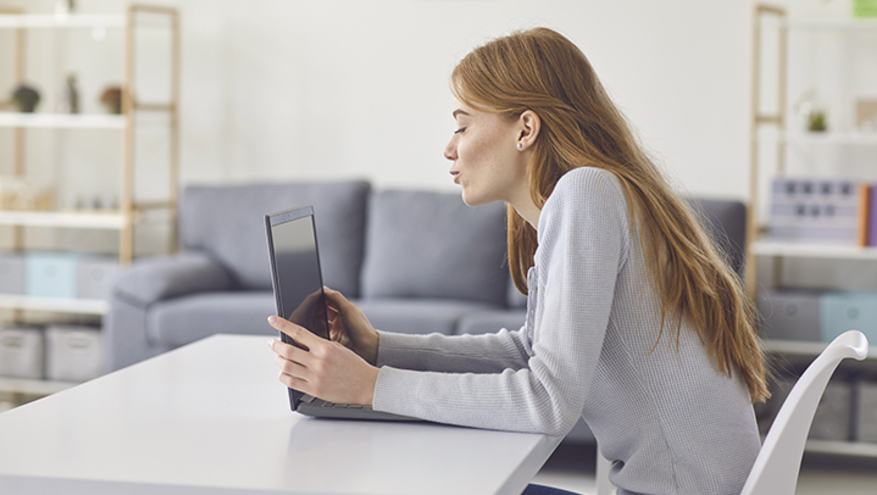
491,321
431,245
166,277
229,223
418,316
183,320
725,222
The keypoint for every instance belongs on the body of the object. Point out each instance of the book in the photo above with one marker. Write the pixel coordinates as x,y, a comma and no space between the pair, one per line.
862,215
872,217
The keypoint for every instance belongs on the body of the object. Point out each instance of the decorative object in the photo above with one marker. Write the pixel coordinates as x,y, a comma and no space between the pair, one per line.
111,98
26,98
19,194
71,94
866,115
816,122
864,8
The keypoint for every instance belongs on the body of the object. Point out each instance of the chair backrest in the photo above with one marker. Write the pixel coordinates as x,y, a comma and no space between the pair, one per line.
776,468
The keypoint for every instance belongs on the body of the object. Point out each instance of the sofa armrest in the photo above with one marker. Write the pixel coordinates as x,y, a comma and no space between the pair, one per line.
167,277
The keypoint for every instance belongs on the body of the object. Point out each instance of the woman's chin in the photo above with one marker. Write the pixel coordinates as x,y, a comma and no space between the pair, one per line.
475,200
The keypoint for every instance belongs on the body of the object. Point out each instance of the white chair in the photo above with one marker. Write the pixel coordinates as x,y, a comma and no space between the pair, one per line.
776,468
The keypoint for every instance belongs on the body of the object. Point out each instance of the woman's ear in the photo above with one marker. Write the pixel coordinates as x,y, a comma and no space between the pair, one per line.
529,124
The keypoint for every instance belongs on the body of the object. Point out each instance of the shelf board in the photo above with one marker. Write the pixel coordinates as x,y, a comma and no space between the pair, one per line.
857,449
840,24
15,21
805,249
60,305
62,121
69,219
802,348
33,387
859,138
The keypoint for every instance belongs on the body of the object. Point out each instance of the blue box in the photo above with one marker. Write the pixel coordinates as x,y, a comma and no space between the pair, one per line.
842,311
51,275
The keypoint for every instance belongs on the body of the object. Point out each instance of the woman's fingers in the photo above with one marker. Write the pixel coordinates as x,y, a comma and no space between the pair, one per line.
290,367
289,352
298,334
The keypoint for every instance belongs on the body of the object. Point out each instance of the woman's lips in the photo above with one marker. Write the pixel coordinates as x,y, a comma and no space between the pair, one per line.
456,176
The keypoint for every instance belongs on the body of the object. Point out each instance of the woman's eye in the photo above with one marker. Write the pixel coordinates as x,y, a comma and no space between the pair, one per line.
460,130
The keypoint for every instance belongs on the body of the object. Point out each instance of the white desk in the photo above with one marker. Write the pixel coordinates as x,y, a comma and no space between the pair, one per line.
211,417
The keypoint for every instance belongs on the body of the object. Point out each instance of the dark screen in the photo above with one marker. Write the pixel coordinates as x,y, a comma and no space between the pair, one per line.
298,275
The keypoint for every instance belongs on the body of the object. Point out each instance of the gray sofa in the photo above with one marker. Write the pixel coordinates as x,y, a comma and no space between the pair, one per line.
415,261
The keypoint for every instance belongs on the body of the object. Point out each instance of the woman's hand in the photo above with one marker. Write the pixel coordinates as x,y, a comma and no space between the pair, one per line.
322,368
349,326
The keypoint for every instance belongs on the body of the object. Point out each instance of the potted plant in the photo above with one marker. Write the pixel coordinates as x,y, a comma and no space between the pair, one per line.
111,98
26,98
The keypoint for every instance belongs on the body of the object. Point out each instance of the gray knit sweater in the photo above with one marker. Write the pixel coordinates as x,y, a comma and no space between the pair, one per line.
670,421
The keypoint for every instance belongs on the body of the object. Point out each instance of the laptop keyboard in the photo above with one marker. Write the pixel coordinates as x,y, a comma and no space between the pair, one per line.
321,403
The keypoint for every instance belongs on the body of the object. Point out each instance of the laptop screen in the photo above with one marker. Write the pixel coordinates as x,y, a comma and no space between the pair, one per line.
298,284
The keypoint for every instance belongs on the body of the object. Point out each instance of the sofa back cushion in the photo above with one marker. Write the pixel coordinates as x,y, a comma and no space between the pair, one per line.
427,244
725,222
228,222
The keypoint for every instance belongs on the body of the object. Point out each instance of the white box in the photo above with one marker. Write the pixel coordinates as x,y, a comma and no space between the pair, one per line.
73,353
22,352
866,414
95,277
833,418
11,273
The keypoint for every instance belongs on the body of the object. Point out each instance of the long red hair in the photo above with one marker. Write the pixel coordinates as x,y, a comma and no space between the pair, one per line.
542,71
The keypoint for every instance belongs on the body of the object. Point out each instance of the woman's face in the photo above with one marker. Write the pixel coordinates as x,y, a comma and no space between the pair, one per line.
486,160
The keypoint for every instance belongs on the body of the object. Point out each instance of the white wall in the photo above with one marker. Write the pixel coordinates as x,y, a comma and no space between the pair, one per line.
290,89
304,89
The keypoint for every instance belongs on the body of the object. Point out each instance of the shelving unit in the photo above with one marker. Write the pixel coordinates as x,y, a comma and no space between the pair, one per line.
758,245
135,19
782,137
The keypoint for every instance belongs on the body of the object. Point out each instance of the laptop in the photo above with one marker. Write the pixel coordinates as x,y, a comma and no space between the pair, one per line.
299,297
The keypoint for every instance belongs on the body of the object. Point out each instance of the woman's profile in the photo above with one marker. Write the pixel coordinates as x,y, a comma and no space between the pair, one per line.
634,320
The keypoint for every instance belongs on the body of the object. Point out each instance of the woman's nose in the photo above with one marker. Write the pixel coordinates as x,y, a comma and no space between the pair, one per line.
450,151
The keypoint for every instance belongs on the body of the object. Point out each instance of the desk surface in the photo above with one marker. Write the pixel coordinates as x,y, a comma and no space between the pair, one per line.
211,417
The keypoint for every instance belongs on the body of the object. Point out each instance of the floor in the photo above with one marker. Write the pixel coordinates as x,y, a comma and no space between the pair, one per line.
571,467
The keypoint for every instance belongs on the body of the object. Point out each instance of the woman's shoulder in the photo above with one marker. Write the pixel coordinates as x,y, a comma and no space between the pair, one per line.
587,207
586,186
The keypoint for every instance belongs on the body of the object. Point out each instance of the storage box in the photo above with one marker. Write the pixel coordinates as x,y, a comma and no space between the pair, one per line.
51,275
21,352
73,353
11,273
833,418
842,311
95,276
866,411
790,314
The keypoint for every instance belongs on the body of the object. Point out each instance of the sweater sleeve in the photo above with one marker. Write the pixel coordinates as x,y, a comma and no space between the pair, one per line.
488,353
582,238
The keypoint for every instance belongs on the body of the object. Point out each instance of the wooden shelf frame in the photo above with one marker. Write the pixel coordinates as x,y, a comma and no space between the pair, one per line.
129,210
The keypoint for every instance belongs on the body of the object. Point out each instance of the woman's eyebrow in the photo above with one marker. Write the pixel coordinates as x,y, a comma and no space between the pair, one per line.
460,112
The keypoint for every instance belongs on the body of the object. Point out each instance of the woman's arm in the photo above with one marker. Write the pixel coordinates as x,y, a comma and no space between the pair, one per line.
487,353
582,245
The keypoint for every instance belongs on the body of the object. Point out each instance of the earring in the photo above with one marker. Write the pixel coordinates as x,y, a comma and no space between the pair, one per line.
520,145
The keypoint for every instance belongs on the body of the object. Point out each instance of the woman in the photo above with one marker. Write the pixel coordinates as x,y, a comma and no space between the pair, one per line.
634,321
